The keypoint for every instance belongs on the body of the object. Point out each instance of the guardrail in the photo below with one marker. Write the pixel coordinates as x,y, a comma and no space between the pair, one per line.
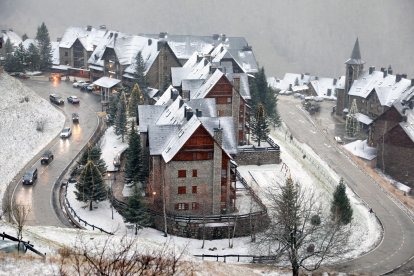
255,259
27,244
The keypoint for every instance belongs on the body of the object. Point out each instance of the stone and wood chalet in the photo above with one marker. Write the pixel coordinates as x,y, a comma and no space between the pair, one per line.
115,55
392,134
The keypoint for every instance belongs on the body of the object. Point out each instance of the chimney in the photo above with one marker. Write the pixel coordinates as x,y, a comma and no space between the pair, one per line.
218,134
236,82
149,41
316,78
188,113
411,104
111,34
162,35
403,76
404,118
198,113
215,36
371,69
102,27
389,70
382,69
89,28
335,81
181,103
397,78
301,76
385,72
174,94
223,37
160,44
412,82
290,87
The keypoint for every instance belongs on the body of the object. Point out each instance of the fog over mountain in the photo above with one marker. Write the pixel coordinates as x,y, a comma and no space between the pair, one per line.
314,36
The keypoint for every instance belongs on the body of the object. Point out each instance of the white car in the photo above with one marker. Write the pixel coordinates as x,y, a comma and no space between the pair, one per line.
78,84
66,132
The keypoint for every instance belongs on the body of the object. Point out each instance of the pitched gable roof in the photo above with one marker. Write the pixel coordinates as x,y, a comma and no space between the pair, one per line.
206,87
148,115
355,55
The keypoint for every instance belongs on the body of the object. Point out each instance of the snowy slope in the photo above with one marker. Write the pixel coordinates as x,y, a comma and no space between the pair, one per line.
21,110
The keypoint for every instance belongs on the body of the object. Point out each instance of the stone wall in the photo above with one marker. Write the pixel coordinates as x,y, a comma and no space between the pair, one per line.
257,157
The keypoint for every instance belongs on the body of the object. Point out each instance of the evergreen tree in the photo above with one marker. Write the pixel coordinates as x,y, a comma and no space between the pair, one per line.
12,63
352,123
296,82
33,57
112,109
260,126
45,47
341,209
8,47
135,99
121,118
21,57
140,71
261,92
134,172
136,211
90,186
24,37
94,154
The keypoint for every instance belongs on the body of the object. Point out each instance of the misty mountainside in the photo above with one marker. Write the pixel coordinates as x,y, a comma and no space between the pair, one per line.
287,36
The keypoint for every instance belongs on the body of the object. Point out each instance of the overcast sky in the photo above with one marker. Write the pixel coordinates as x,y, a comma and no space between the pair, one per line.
314,36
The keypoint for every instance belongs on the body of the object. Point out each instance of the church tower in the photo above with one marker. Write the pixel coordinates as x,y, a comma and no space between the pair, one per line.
354,68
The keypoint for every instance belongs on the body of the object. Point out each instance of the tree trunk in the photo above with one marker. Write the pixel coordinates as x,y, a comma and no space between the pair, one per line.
295,270
90,205
136,229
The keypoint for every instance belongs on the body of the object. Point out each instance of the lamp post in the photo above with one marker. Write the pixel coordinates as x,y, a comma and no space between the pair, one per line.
110,194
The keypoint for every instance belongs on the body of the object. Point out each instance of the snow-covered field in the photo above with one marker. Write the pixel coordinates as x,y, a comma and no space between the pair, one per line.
24,145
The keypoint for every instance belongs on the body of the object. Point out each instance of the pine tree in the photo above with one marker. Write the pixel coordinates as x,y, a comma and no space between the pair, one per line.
21,57
136,211
352,123
121,118
135,99
341,209
45,47
90,186
94,154
12,63
140,71
261,92
260,126
134,172
8,47
33,57
113,108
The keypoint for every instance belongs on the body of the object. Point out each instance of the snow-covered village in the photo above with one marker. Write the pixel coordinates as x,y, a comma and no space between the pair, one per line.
176,149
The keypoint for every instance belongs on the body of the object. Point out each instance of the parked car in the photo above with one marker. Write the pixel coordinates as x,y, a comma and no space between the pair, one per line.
19,75
73,100
84,86
30,176
66,132
56,99
77,84
75,118
46,158
91,87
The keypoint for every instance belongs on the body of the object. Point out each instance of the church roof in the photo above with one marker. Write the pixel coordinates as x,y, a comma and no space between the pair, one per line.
356,55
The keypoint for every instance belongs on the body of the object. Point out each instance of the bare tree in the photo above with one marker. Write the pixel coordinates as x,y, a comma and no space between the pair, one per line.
20,212
7,204
121,257
298,231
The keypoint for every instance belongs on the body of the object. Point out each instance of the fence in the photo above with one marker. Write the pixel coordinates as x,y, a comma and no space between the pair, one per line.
255,259
27,244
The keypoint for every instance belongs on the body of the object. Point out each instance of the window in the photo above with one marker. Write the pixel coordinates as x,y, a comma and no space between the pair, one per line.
181,206
229,100
182,190
194,173
223,172
194,205
194,189
182,173
66,54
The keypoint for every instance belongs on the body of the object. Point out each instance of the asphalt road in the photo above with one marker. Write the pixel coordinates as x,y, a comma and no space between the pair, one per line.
397,245
39,196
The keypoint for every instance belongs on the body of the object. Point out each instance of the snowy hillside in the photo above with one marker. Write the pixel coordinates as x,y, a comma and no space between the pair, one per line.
22,112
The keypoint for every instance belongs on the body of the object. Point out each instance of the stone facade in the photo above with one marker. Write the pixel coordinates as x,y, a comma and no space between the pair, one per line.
258,157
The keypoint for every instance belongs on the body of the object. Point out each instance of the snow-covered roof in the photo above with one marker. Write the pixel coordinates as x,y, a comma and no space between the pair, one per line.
207,106
206,87
166,96
322,86
126,48
29,41
244,89
174,113
148,115
159,136
87,36
299,88
178,74
366,120
402,104
15,39
191,85
227,125
106,82
289,79
98,68
387,89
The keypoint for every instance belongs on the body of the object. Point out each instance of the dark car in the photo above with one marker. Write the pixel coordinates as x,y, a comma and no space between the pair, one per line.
46,158
75,118
30,176
84,86
56,99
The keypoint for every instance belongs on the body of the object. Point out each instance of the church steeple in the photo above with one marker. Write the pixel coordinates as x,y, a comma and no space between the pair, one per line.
356,55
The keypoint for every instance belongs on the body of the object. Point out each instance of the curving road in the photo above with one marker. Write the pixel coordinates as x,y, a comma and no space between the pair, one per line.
41,196
397,245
